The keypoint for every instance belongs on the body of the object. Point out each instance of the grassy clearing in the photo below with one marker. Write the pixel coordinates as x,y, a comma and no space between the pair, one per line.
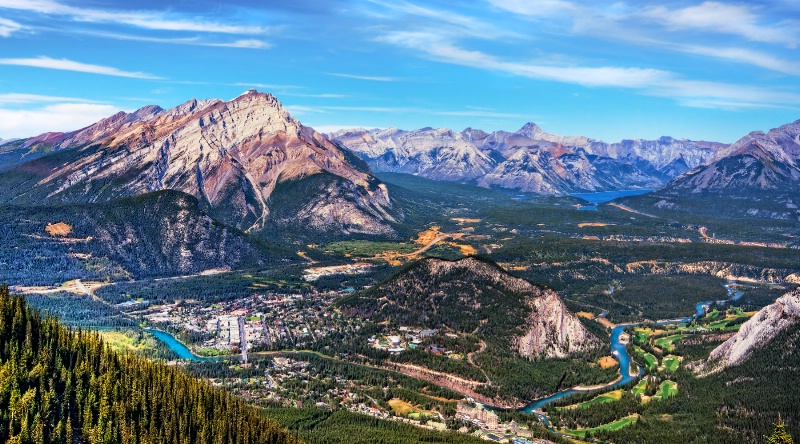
401,407
666,342
641,336
405,408
671,363
364,248
650,361
59,229
666,390
120,341
600,399
640,388
612,426
733,315
607,362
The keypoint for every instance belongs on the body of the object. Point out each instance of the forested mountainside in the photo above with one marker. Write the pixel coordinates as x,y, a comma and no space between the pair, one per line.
157,234
62,386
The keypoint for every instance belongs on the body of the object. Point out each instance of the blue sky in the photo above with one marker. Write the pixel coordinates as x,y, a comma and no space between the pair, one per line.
712,70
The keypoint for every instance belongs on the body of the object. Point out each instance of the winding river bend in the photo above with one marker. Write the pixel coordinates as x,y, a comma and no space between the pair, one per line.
618,349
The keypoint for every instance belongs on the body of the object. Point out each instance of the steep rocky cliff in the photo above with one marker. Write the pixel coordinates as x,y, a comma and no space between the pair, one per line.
230,155
757,332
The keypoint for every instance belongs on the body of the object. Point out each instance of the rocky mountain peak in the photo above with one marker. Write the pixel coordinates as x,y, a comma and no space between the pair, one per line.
530,130
232,156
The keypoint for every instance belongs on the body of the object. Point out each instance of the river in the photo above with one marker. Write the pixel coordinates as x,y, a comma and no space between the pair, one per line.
619,350
176,346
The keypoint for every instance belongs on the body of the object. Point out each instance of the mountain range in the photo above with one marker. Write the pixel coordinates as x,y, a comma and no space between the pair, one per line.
252,166
757,176
529,160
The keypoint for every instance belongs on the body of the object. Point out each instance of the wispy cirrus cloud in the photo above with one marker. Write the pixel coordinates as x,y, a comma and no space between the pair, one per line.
23,98
688,30
195,41
70,65
154,20
362,77
8,27
539,8
745,56
446,21
722,18
648,81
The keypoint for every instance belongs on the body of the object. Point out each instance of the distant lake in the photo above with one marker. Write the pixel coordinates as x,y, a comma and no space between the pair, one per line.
605,196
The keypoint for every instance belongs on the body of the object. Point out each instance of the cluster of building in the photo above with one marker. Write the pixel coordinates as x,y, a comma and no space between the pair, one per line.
314,273
258,322
478,415
404,339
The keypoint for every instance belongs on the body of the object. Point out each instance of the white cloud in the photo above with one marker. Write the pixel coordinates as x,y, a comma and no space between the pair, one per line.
60,117
18,98
449,22
722,18
196,41
70,65
647,81
746,56
370,78
444,51
300,110
156,20
249,44
8,27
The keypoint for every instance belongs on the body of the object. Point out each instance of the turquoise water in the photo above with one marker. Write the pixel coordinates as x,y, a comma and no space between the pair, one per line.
619,352
700,308
181,350
605,196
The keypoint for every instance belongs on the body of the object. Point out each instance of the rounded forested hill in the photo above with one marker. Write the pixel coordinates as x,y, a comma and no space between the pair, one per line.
475,296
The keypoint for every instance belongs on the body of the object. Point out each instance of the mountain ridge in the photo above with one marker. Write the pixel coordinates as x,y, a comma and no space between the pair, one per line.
528,160
229,155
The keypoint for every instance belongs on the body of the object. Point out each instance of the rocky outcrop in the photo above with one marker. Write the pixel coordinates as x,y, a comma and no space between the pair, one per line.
553,331
529,160
722,270
230,155
757,332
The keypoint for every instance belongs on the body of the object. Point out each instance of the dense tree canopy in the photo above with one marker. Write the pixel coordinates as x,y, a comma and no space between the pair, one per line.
63,386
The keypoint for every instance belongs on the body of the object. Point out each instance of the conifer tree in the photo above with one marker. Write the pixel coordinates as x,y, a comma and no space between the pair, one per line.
779,434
